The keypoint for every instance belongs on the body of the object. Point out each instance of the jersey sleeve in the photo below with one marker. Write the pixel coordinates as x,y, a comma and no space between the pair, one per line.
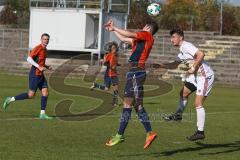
143,35
35,52
190,49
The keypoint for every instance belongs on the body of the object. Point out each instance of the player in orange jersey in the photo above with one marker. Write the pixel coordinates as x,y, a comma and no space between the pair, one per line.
37,80
110,77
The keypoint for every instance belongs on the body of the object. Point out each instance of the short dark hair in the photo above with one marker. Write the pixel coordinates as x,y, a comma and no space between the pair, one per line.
45,34
114,43
108,46
154,27
177,30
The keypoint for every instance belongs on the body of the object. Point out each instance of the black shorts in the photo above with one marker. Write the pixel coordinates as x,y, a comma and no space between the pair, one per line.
108,81
134,86
190,86
37,82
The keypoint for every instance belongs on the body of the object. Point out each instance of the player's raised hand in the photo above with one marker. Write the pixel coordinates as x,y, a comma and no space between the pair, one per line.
109,25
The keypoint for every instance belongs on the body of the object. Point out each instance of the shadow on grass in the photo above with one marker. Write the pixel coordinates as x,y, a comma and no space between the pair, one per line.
225,148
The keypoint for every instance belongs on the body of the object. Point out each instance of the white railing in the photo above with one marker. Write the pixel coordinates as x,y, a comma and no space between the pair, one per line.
98,4
107,5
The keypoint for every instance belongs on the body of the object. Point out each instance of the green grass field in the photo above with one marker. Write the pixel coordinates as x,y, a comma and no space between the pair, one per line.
23,136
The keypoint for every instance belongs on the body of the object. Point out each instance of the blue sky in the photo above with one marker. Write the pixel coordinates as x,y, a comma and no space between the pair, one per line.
235,2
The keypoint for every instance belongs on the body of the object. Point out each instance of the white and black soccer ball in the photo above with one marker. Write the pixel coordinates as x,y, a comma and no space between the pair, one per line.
153,9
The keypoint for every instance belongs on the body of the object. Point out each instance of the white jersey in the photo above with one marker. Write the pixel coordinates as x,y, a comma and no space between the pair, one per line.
186,56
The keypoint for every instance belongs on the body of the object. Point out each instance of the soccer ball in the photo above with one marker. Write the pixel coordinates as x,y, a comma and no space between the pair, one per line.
153,9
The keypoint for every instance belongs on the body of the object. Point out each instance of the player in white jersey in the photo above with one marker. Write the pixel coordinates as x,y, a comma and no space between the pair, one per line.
203,74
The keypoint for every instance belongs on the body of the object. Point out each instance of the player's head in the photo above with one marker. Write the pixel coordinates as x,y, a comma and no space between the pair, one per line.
151,27
45,39
113,47
177,36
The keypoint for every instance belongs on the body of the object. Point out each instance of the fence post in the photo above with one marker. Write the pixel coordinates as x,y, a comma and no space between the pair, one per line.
231,50
3,34
163,43
53,6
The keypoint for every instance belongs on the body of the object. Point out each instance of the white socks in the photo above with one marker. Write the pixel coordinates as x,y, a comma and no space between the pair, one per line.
42,112
12,99
200,117
182,104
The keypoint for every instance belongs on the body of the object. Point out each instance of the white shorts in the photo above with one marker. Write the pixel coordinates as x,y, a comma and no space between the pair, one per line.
204,85
191,79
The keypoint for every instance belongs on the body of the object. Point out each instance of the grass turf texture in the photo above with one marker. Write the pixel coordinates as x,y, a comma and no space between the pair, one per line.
23,136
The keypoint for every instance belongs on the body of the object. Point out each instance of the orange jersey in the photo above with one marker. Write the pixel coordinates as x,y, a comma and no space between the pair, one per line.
141,47
112,60
39,55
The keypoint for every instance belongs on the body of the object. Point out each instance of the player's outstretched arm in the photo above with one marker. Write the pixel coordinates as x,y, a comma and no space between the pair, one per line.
172,65
125,32
123,38
110,26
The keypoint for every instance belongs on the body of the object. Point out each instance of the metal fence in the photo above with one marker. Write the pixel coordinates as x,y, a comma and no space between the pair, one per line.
16,37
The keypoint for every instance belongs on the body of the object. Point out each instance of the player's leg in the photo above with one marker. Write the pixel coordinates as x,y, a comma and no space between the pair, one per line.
187,89
204,86
138,82
126,112
199,134
125,117
106,86
43,86
114,82
26,95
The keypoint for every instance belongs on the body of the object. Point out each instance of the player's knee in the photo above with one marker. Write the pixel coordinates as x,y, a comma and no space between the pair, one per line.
183,94
31,95
198,103
127,105
45,94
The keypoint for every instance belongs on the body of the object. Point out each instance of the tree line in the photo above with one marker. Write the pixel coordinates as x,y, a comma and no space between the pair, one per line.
193,15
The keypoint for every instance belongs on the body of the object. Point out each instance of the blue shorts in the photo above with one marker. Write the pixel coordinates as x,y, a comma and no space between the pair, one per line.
108,81
134,86
37,82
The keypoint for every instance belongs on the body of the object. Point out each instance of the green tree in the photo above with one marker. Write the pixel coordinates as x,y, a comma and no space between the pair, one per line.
7,16
138,15
178,12
16,12
230,23
208,16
